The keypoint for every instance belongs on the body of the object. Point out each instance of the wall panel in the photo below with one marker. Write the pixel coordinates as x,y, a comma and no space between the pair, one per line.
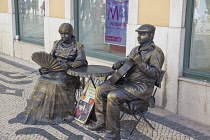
57,8
154,12
4,6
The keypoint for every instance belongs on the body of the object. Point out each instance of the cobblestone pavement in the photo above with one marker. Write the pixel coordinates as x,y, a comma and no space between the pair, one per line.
17,79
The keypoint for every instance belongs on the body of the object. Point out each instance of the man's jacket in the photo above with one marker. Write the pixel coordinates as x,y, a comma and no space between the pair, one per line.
140,79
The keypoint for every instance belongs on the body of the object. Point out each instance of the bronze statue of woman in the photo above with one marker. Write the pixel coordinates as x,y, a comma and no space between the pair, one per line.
53,98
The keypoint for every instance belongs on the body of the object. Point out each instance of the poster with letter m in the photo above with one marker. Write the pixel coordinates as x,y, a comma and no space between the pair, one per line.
116,22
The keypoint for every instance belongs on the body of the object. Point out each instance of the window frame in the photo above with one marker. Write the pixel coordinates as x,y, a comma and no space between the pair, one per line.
95,54
187,72
17,25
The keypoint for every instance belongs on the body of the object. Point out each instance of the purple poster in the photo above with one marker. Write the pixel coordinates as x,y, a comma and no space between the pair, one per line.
116,22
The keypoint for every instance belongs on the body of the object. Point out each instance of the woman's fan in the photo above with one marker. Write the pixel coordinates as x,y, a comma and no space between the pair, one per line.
47,61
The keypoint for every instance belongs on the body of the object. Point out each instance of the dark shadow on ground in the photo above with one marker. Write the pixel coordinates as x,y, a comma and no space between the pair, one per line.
17,64
10,75
126,128
178,127
83,129
31,130
5,90
22,82
71,135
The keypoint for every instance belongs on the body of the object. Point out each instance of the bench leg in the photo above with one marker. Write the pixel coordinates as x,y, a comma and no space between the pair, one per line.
147,122
138,120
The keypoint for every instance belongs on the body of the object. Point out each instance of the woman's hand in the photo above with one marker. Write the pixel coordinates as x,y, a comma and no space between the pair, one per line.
75,64
43,71
65,66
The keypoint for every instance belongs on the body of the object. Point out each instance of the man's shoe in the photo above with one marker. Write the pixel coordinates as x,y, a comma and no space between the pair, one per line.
111,136
95,127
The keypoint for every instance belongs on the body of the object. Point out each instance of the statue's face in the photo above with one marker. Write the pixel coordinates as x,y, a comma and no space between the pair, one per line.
143,37
65,37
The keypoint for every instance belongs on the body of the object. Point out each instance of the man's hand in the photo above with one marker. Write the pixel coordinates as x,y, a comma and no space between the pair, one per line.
137,58
117,65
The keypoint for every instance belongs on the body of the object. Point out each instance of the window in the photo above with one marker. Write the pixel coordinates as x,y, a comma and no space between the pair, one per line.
197,37
30,20
91,30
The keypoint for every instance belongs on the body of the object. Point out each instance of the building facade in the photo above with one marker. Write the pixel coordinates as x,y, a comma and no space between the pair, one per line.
182,32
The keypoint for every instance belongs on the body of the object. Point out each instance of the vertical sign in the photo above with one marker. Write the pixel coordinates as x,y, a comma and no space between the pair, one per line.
87,100
116,22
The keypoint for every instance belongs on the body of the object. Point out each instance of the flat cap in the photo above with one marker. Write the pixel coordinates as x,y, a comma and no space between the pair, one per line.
146,28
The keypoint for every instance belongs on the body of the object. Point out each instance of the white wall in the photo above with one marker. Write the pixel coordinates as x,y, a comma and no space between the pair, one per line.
24,50
7,30
6,33
194,100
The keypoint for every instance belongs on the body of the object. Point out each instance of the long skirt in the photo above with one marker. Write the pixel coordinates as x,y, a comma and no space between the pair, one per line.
52,102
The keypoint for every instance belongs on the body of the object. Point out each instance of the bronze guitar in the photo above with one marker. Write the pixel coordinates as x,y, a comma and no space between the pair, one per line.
122,71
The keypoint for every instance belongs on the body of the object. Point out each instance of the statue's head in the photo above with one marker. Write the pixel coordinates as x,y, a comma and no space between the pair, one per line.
145,33
66,31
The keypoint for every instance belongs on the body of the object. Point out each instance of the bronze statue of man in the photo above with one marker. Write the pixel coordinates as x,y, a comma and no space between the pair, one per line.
138,83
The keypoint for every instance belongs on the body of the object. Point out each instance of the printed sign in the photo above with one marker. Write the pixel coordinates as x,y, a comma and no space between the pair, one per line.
116,22
82,111
87,100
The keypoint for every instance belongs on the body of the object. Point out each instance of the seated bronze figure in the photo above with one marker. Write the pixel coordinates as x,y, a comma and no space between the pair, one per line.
145,63
53,98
